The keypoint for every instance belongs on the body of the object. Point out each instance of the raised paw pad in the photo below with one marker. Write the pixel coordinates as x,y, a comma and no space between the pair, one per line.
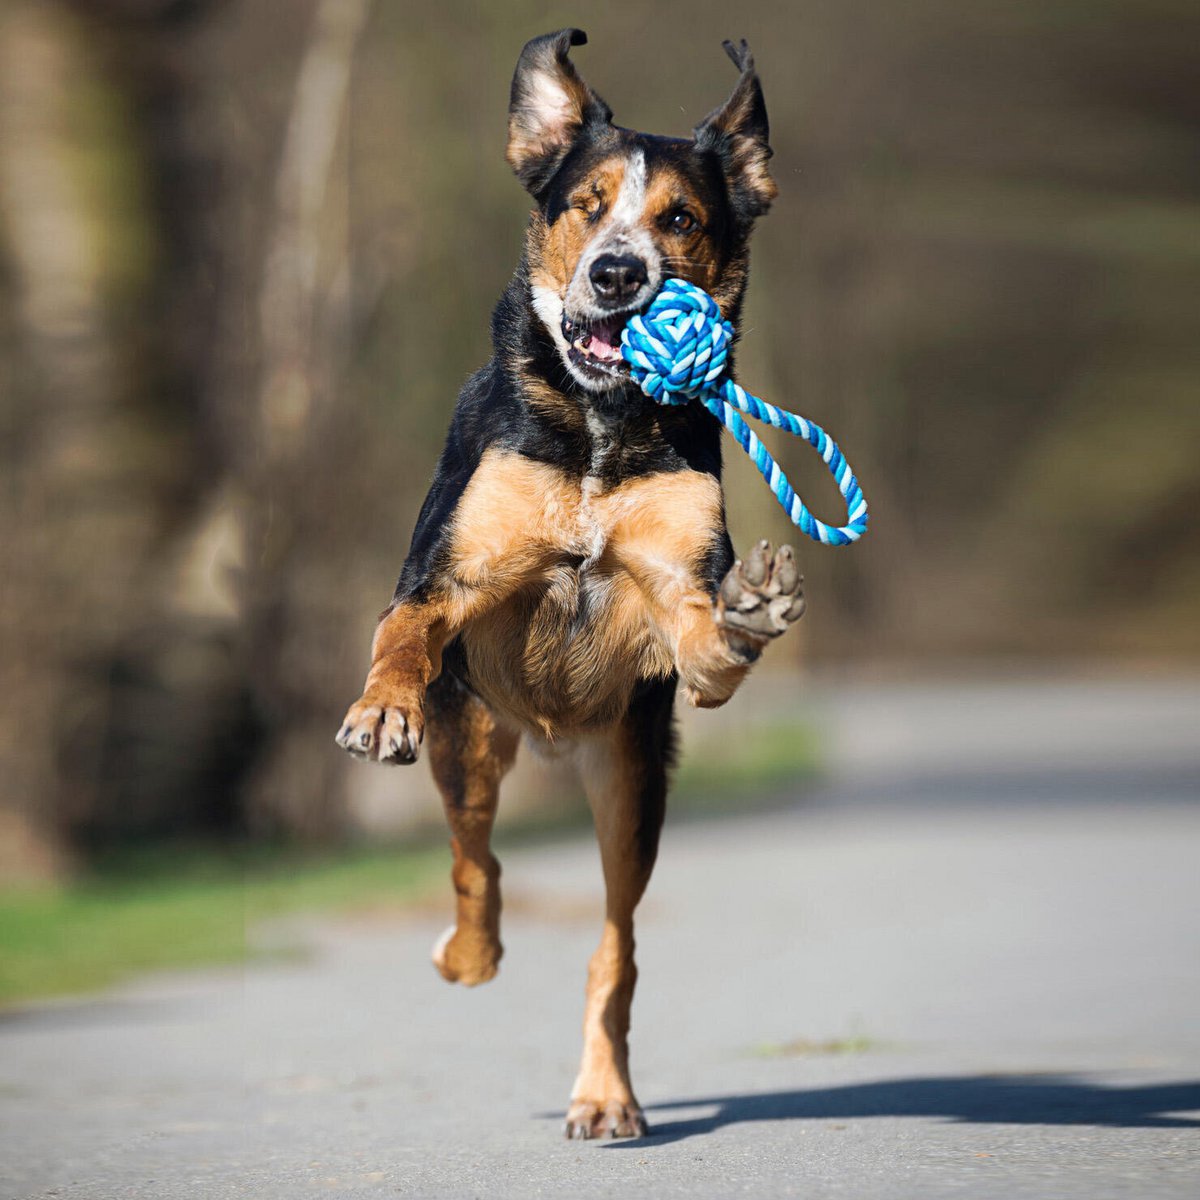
762,596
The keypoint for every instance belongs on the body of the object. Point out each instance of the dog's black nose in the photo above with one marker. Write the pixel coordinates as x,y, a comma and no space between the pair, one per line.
616,278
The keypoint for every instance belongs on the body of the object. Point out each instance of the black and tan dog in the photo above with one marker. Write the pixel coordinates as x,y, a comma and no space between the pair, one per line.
570,565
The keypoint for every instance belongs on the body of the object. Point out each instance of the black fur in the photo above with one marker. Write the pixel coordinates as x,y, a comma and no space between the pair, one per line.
740,124
549,54
448,701
651,722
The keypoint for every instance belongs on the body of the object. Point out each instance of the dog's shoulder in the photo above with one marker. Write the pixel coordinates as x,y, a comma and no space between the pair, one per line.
500,413
481,418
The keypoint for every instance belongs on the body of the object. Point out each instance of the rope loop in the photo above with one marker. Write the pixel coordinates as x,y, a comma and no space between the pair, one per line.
677,351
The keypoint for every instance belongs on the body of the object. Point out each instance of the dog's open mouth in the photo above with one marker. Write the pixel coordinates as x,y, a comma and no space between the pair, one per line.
595,346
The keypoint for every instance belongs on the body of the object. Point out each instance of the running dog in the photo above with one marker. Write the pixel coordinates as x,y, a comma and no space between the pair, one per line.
570,566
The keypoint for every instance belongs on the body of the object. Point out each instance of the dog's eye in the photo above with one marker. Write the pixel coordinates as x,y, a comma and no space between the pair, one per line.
681,222
590,206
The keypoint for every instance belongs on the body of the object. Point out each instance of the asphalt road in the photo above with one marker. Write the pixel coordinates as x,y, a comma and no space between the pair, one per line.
1006,942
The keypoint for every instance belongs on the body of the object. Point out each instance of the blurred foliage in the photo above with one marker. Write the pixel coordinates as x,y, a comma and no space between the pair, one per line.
174,909
167,905
756,764
245,263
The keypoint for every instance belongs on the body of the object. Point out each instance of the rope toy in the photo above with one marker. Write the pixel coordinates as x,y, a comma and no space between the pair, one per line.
676,351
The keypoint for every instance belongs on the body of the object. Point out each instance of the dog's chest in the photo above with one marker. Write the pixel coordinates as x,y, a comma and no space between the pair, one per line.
603,568
520,515
595,517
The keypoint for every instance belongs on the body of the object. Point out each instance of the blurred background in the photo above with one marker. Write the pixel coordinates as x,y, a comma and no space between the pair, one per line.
248,252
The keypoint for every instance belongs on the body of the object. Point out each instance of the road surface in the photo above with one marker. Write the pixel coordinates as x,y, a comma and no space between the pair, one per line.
966,970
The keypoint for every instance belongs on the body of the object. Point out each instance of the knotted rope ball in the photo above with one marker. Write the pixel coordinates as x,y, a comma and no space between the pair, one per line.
677,352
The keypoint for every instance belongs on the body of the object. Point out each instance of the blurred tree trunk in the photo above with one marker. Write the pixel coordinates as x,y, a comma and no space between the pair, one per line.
303,323
55,347
180,728
121,699
99,471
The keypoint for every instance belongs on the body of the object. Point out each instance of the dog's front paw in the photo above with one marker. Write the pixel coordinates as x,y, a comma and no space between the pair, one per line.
761,597
383,730
599,1118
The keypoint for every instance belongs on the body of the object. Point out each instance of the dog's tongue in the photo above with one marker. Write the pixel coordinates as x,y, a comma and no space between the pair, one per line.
606,340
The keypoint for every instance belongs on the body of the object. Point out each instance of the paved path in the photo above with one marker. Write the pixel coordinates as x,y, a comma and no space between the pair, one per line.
1016,948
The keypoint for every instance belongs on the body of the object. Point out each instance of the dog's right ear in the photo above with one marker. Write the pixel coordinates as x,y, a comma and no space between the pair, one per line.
549,107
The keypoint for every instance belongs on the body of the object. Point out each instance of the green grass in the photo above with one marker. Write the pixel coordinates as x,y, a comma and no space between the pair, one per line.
173,909
732,774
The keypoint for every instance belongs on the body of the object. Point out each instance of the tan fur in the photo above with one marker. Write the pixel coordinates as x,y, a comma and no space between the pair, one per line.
750,159
750,155
529,547
405,655
602,1097
691,255
553,406
521,530
513,591
525,540
664,528
469,754
555,250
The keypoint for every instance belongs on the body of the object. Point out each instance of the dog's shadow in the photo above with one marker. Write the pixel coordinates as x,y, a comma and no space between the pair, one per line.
982,1099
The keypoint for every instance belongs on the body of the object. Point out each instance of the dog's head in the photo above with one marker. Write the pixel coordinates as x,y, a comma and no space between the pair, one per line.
619,211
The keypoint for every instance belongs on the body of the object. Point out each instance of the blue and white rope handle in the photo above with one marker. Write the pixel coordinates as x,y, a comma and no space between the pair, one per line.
676,351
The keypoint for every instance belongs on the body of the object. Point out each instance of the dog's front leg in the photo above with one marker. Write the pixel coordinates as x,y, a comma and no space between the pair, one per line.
470,554
717,642
387,723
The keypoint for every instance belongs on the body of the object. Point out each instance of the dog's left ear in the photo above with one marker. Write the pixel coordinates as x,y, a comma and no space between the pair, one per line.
738,133
549,107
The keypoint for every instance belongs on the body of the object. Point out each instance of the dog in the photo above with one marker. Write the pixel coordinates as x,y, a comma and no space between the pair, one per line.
570,567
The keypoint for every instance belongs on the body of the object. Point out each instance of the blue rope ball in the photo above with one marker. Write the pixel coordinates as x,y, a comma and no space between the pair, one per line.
677,347
677,351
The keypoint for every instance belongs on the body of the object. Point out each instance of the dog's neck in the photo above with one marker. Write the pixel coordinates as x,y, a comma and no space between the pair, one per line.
598,434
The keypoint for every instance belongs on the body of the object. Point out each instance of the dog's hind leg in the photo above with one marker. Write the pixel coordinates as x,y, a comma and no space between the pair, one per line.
625,776
469,753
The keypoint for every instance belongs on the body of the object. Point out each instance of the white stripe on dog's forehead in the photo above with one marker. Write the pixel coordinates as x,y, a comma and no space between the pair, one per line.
631,199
